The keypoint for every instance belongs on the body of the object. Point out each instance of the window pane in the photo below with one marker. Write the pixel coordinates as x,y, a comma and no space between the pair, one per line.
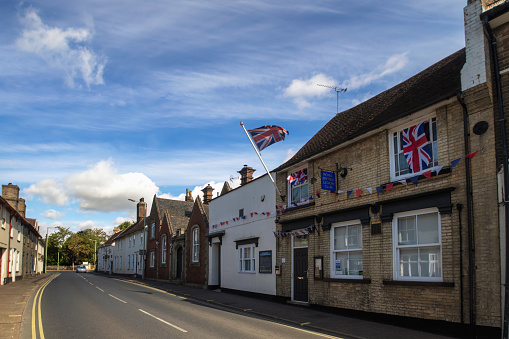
435,154
406,231
296,194
300,241
403,164
354,237
340,263
408,263
434,127
395,141
430,262
247,265
427,225
340,238
304,193
355,263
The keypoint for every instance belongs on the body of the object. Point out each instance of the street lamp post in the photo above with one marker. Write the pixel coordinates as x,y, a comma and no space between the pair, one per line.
144,237
46,249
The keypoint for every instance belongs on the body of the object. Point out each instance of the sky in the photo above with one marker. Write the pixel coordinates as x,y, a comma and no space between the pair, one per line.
105,101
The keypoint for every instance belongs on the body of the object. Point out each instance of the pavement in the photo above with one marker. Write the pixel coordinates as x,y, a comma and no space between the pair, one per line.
14,297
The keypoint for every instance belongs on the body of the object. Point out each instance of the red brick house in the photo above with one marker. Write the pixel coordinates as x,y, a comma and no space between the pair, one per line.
196,249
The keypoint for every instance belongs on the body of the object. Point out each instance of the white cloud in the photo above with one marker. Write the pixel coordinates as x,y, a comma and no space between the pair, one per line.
89,224
197,191
120,220
50,191
63,49
53,214
393,64
302,90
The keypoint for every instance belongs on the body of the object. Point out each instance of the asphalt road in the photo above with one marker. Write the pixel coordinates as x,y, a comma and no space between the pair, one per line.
92,306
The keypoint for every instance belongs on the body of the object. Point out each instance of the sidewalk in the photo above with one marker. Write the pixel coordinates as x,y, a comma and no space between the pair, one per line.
13,299
302,316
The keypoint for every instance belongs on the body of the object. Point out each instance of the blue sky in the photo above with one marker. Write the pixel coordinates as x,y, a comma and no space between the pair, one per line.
102,101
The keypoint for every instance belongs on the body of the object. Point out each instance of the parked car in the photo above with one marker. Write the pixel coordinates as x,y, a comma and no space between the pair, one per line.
81,269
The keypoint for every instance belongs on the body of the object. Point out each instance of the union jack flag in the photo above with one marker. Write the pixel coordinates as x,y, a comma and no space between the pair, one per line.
416,148
297,177
267,135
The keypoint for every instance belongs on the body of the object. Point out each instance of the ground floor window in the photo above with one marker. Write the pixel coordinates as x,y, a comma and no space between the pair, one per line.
247,258
346,250
152,258
417,245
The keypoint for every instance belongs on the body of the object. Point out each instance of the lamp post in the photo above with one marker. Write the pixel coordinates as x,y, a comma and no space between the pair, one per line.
46,249
144,237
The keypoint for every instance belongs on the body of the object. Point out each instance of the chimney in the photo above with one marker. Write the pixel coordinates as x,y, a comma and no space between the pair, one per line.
189,196
246,175
22,207
207,194
11,194
141,207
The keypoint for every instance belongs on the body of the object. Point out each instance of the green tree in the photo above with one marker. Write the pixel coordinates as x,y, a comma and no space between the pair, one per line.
124,225
56,243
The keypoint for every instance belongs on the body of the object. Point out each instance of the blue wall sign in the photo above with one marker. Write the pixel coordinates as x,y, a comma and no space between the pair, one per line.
328,181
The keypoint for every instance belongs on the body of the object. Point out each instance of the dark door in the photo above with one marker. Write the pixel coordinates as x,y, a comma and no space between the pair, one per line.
179,263
300,274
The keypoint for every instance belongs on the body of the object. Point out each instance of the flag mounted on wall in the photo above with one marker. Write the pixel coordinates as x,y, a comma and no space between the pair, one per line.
416,148
267,135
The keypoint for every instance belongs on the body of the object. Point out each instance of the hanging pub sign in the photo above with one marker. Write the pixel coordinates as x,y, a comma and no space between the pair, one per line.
328,181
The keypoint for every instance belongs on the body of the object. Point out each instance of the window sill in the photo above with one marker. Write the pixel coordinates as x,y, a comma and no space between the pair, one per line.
294,208
247,272
348,280
418,283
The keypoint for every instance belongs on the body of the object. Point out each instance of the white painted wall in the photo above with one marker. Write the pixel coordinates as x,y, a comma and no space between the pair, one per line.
225,208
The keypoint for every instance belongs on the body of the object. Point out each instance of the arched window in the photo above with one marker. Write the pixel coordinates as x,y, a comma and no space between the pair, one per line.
196,245
164,246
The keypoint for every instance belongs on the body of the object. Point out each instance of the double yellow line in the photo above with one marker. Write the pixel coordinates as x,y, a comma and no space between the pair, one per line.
37,304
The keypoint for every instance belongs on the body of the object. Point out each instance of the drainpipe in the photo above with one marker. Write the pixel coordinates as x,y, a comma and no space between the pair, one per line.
459,207
470,227
494,56
9,266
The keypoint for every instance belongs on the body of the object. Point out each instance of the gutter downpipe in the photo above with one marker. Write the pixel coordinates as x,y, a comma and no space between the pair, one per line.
9,266
470,228
459,207
494,55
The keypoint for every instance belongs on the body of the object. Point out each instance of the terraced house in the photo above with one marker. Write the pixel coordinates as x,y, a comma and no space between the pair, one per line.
401,194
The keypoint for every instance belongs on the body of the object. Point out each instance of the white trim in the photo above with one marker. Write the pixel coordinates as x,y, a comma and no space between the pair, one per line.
355,222
251,259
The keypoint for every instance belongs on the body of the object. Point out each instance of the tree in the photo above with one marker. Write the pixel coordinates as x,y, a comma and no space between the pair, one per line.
56,242
124,225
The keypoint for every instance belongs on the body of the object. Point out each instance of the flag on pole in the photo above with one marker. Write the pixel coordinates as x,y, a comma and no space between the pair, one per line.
267,135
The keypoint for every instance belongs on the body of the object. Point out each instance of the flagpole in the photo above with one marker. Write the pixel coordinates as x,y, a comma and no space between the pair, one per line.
259,156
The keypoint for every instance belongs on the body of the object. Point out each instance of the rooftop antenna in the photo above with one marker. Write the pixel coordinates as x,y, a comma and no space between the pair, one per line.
338,90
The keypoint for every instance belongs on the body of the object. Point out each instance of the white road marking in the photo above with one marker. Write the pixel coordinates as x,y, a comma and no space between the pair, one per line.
99,289
164,321
125,302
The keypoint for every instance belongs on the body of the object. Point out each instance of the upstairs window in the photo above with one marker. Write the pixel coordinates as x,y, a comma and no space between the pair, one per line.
196,245
414,149
298,187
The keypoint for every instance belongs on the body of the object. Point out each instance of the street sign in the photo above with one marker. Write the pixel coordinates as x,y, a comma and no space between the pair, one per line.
328,181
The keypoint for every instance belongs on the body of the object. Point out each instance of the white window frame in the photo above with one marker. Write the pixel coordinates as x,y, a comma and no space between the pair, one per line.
152,258
243,259
397,247
433,144
4,217
291,187
164,248
134,240
195,254
345,266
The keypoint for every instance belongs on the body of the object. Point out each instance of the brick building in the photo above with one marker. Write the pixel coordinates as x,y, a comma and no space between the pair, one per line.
367,233
167,224
196,246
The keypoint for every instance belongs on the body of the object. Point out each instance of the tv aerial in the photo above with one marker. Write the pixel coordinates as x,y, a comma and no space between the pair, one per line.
338,90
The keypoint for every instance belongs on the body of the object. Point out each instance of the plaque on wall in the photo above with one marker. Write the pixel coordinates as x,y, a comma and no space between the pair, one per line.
265,265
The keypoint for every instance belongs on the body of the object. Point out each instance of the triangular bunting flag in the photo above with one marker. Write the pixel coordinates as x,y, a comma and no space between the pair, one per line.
370,190
358,193
389,186
414,180
455,162
402,182
438,169
340,191
471,155
348,194
318,193
427,174
379,189
268,214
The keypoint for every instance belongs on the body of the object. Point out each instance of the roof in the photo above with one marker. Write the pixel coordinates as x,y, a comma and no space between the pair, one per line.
438,82
27,222
178,210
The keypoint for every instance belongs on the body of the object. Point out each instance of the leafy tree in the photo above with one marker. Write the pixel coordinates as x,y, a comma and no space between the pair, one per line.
74,247
124,225
56,242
